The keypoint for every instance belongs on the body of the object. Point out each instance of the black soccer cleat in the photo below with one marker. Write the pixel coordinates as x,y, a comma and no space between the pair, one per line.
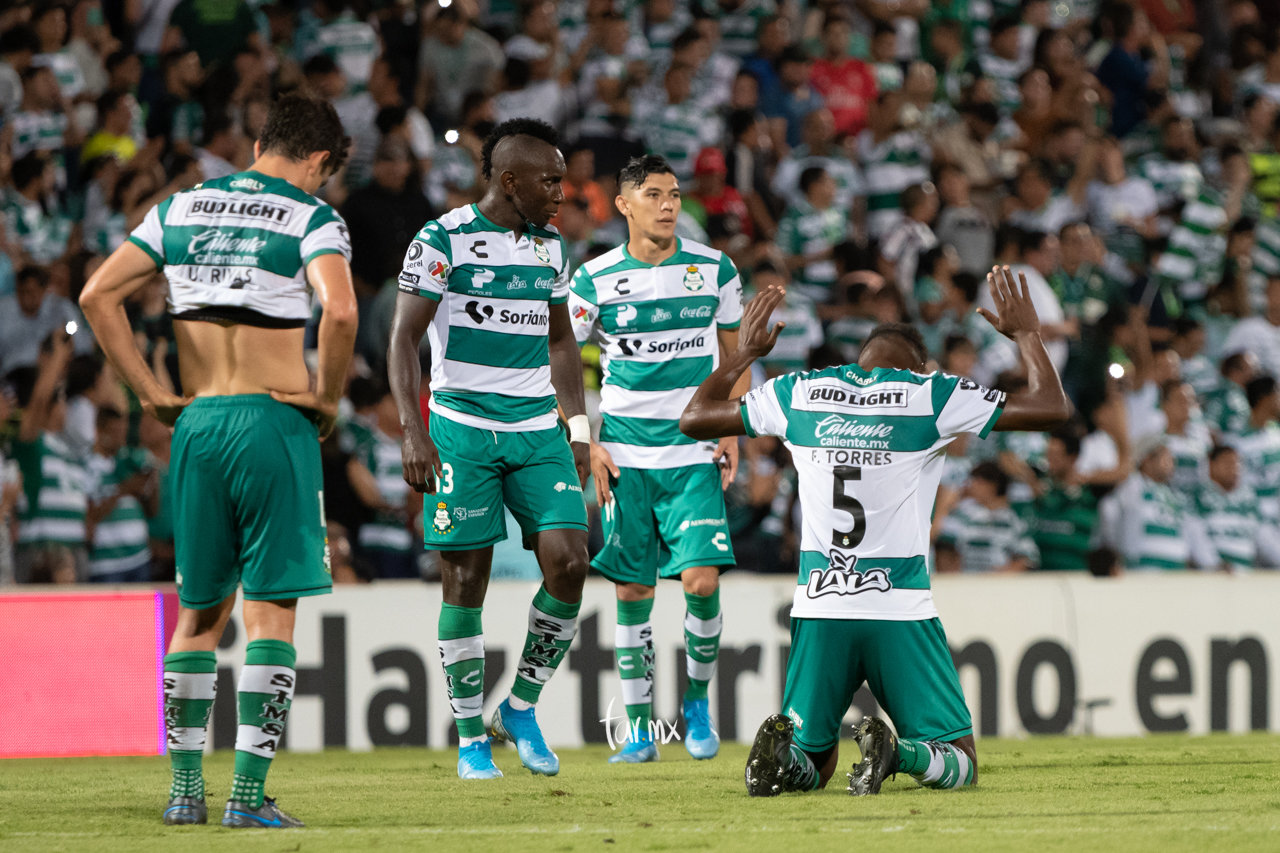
184,811
770,757
879,761
266,816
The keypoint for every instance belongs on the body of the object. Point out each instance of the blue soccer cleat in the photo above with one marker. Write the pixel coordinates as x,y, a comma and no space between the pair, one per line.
184,811
639,751
521,728
265,816
701,738
476,762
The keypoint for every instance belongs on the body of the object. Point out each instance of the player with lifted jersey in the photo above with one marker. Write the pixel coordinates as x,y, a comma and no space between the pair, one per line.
662,310
489,282
242,255
868,442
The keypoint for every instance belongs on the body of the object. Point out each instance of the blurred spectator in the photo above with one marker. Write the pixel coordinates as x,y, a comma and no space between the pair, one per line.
123,494
1260,335
893,158
961,224
18,47
30,316
385,542
1232,517
802,333
982,534
908,239
456,57
819,148
1258,444
1124,71
51,516
1065,513
215,29
114,135
847,85
712,196
809,233
795,99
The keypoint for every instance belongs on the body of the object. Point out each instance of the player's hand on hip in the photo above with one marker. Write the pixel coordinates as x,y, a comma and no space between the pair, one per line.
755,338
1015,311
605,473
166,407
323,413
727,458
421,461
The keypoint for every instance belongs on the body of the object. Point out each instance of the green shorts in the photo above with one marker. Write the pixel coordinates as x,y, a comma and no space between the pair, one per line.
531,472
248,502
907,665
662,522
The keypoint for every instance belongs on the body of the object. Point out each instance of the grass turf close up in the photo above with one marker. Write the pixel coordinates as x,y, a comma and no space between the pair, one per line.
1165,793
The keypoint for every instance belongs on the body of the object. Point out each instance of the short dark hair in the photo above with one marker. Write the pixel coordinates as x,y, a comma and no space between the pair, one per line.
992,473
107,415
638,170
1259,388
83,372
19,38
968,284
1031,241
109,100
904,332
1219,449
811,176
298,126
536,128
1070,439
33,271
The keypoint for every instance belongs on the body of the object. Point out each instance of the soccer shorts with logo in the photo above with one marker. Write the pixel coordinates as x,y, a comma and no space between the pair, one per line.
663,521
248,501
907,665
531,472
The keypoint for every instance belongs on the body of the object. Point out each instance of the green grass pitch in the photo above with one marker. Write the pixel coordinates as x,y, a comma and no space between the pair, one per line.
1161,793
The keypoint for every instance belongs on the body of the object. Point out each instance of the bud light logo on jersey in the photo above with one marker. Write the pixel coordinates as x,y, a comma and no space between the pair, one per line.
878,399
215,246
211,207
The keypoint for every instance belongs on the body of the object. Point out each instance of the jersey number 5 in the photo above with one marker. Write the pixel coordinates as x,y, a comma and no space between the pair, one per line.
847,503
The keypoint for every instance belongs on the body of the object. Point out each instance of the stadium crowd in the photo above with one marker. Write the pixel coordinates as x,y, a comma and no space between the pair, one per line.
876,157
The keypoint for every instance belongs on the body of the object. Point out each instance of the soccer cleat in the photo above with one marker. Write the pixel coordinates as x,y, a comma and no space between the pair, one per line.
879,750
266,816
183,811
700,738
770,757
521,728
476,762
639,751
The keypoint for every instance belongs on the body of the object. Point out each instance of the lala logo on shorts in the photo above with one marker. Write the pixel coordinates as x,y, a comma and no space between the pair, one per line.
442,523
693,280
541,250
843,579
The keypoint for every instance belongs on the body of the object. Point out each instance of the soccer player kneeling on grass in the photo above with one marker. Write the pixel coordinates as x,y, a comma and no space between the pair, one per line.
868,441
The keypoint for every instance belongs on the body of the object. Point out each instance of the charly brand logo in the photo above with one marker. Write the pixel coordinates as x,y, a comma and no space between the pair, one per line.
843,579
693,280
247,184
620,730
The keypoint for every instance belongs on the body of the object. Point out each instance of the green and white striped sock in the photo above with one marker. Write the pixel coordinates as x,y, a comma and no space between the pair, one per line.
265,694
190,684
552,625
934,764
461,642
702,624
633,647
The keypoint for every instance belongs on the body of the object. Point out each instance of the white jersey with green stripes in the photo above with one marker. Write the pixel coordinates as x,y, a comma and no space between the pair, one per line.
119,539
657,330
237,249
869,448
491,364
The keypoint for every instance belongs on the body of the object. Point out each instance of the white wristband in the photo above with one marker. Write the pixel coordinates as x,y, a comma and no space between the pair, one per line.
580,429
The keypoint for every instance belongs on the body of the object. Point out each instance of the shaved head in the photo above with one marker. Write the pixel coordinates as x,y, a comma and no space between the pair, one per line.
894,345
513,130
522,155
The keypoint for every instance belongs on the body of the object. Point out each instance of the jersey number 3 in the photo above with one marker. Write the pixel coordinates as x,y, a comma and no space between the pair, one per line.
847,503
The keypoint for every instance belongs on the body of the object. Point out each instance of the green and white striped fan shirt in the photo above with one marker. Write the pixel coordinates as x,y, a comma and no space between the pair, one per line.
491,364
1233,522
120,539
657,330
55,492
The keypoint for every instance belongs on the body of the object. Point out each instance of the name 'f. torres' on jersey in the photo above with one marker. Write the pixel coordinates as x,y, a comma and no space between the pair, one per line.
491,364
657,329
868,447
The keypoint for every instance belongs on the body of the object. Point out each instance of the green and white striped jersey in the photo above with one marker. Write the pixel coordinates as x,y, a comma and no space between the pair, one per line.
1062,524
380,453
55,492
42,234
237,248
1197,248
42,130
1150,524
987,539
491,363
869,448
657,330
1173,181
1259,451
120,539
805,230
352,44
1233,522
1190,457
888,168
